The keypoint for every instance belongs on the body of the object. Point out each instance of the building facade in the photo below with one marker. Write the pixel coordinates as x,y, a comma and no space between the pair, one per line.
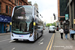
62,4
6,7
71,5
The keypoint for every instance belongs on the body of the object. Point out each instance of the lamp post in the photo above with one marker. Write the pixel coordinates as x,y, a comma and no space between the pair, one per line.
54,16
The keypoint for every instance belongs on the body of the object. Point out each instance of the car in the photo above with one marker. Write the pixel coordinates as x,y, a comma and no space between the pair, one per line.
52,29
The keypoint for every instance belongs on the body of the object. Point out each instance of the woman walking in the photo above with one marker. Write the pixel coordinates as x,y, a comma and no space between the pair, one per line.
66,31
61,32
72,32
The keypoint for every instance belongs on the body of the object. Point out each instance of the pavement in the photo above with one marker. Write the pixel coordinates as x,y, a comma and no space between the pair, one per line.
4,33
63,44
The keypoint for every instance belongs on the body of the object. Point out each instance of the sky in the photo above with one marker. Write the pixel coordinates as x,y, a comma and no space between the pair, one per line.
46,9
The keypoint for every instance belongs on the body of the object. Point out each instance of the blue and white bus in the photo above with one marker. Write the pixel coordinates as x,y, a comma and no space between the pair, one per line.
26,25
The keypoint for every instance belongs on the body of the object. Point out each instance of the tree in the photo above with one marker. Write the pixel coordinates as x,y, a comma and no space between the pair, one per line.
48,24
54,24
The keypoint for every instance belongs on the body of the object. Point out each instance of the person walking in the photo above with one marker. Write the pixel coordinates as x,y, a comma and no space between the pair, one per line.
61,32
72,32
6,29
66,31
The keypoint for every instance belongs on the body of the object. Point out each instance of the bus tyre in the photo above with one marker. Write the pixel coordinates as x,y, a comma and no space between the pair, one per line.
34,38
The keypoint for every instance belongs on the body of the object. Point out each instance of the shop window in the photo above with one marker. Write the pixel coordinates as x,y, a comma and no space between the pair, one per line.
4,27
6,8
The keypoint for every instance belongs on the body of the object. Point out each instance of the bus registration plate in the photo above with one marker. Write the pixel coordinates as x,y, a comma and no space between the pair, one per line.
20,39
21,36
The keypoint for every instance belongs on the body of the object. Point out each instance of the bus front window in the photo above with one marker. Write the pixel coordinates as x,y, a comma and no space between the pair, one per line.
22,27
22,20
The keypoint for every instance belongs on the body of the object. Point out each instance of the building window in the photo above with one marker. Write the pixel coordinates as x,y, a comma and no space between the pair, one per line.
20,3
63,5
0,7
6,8
9,0
16,2
9,10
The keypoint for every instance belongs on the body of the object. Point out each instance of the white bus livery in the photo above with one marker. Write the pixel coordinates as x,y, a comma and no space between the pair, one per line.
26,25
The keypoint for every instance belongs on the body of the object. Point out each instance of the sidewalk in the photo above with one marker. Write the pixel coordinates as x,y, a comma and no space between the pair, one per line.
63,44
5,33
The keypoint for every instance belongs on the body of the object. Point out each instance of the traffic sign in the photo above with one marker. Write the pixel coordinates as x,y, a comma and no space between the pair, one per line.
66,17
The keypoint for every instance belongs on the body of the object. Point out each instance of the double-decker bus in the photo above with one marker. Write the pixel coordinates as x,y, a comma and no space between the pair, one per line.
26,25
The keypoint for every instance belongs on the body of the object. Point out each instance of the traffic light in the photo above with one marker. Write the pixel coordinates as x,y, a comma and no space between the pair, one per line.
54,16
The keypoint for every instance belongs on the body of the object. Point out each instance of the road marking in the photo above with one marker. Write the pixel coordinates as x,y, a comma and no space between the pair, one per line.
42,39
11,41
13,48
41,43
49,42
4,40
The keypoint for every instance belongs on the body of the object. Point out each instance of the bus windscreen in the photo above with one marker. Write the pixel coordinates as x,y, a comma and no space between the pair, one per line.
22,20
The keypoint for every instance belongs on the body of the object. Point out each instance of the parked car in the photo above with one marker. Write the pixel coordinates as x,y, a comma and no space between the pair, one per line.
52,29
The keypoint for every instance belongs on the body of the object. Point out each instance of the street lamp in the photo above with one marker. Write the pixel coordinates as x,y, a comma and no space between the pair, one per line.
54,16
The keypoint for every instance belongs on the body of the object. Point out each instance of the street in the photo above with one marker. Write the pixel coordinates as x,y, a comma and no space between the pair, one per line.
41,44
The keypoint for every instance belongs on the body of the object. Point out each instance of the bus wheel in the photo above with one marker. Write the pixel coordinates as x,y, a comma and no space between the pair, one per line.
34,38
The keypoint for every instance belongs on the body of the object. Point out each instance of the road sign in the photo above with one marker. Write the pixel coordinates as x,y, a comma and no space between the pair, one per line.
66,17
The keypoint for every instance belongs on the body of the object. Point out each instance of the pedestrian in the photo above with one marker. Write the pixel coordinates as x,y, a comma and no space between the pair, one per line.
61,32
6,29
72,32
66,31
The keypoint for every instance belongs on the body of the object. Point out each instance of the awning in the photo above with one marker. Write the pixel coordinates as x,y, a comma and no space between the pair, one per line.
6,19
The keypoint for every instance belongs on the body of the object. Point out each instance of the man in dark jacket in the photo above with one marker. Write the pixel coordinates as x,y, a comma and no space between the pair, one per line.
66,31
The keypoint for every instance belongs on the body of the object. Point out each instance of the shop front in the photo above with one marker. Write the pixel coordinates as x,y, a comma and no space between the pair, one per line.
4,22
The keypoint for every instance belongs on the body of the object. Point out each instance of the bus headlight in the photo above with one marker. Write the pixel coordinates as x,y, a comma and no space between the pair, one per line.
30,35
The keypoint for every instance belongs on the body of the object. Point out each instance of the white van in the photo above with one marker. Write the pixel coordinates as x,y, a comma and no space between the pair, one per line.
52,29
